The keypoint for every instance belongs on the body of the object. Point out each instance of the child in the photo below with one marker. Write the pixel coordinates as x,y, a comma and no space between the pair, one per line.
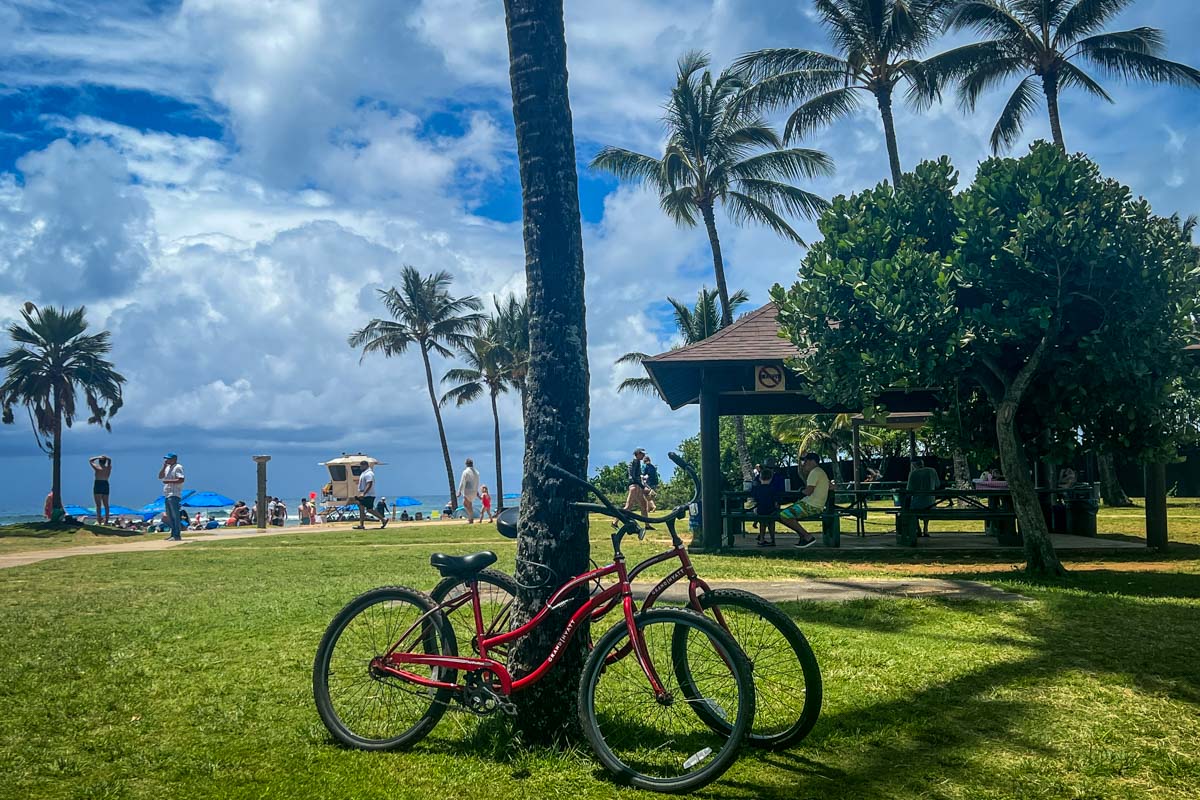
765,499
486,500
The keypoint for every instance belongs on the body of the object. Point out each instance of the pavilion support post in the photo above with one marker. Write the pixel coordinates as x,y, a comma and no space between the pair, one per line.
260,506
1156,506
912,443
710,465
855,453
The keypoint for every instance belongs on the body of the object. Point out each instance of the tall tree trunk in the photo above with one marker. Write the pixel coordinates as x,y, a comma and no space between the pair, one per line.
437,413
556,408
739,425
56,512
884,98
499,465
1040,557
1050,89
1111,491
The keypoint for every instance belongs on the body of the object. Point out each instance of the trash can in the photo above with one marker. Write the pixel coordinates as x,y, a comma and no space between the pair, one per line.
1081,516
831,530
908,528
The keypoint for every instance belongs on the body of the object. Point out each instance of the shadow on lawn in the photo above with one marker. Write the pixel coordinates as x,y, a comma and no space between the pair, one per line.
50,530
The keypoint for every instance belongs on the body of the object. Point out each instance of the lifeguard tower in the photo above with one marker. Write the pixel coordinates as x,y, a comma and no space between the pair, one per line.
343,476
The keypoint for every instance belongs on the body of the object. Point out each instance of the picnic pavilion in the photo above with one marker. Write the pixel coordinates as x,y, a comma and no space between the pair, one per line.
742,370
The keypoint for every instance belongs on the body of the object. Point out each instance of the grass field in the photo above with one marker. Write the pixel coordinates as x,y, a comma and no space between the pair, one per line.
186,674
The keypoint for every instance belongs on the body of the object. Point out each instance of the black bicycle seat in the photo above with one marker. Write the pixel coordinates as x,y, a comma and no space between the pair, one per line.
462,566
506,523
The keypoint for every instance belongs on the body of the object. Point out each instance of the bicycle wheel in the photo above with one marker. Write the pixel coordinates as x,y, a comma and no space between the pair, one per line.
497,593
787,678
368,709
657,743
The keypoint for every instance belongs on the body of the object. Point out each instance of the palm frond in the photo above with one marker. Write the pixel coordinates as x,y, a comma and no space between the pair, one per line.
1072,76
638,386
632,358
1130,64
791,164
1084,17
785,197
1012,118
990,18
744,208
821,111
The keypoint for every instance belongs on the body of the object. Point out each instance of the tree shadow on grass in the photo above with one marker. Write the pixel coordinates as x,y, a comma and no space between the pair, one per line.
51,530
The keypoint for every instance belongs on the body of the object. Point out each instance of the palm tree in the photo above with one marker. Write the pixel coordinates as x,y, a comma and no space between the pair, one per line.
718,150
512,337
484,374
426,315
877,45
817,432
552,532
695,324
55,358
1044,44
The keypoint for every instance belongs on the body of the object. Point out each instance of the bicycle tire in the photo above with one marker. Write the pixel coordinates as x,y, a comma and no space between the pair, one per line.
779,721
497,611
646,756
427,705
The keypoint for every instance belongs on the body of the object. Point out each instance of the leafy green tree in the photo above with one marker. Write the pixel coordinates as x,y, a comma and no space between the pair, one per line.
1045,43
612,480
878,45
694,323
484,374
1045,286
425,314
55,359
552,532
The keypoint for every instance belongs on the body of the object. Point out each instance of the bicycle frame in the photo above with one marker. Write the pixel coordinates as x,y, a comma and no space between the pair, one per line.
392,662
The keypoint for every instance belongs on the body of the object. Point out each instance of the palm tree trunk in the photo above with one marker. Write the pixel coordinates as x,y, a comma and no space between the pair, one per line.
437,413
56,513
552,532
1050,88
739,425
1111,491
884,98
499,467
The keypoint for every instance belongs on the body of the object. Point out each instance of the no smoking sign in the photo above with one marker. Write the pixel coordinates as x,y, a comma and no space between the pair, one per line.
768,378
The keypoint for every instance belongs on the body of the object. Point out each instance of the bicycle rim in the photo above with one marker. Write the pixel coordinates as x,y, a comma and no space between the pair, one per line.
662,744
787,678
361,707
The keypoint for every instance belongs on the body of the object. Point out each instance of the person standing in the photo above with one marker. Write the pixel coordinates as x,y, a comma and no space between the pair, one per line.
366,497
636,498
101,472
172,478
468,489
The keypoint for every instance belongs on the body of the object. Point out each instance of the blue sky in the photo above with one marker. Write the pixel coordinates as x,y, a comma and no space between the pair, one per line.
225,183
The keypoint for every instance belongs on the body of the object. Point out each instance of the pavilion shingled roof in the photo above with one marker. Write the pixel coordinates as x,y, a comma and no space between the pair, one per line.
753,338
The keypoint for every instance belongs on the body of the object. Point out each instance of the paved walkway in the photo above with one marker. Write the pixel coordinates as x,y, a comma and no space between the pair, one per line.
843,589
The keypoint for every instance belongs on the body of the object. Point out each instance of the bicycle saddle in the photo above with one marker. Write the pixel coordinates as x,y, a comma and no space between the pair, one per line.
506,523
462,566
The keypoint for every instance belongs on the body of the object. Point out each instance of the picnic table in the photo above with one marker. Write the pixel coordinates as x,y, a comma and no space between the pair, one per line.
993,505
734,514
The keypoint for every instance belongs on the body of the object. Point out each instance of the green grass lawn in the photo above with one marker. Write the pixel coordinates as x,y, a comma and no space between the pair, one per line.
186,674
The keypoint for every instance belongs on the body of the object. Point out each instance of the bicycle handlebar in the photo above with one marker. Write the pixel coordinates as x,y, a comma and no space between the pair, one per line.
608,509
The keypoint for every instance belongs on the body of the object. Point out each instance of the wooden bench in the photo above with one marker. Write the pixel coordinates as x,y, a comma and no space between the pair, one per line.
831,525
1001,521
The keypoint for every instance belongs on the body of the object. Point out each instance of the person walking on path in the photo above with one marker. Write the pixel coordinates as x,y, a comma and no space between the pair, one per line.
650,479
468,489
812,504
636,498
366,498
102,471
485,503
171,476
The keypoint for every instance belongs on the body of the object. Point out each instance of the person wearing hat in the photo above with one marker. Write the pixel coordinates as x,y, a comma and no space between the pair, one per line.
171,476
812,504
636,499
366,497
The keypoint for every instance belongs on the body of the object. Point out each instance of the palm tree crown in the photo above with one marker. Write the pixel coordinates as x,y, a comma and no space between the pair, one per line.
54,359
877,45
423,313
695,324
511,328
719,150
1044,42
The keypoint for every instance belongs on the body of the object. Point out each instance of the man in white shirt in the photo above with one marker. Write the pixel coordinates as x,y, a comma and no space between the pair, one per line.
366,497
468,489
171,476
812,504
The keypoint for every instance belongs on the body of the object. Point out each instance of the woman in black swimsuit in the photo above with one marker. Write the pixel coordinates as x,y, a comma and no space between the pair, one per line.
102,467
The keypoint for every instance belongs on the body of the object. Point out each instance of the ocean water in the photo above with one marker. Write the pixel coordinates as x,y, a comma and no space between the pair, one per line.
429,503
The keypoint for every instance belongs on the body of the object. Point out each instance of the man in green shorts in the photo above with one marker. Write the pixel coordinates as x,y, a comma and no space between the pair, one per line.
812,504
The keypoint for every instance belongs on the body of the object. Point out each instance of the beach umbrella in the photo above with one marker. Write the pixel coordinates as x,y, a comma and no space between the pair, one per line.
78,511
160,505
206,500
512,496
121,511
400,502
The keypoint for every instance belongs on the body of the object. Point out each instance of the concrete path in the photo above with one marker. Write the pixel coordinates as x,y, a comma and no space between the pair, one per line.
843,589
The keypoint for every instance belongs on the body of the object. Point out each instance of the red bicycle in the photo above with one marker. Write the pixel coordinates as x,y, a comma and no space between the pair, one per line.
388,667
787,676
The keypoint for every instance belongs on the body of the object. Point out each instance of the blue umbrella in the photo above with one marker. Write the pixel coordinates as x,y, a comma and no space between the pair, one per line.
160,505
400,502
513,496
206,500
121,511
78,511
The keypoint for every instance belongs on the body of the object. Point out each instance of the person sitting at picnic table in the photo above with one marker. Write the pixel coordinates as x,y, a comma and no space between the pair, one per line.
765,502
812,504
922,479
873,475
